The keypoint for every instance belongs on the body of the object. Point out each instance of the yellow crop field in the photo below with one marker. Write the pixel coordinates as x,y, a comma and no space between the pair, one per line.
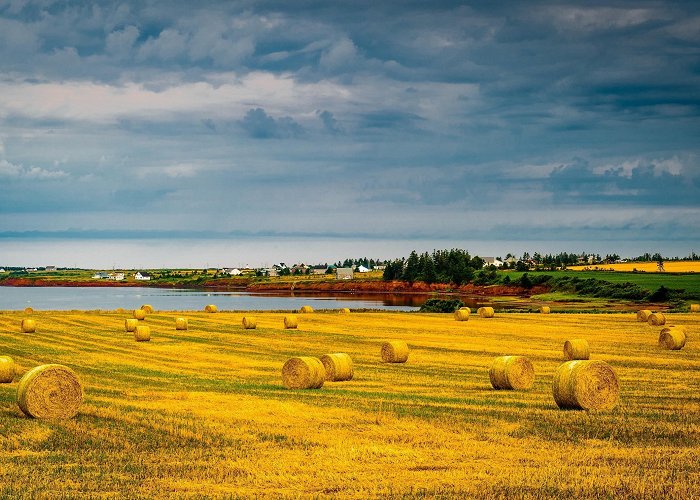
203,412
647,267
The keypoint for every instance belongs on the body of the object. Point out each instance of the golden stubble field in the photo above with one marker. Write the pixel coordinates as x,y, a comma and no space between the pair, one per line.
203,412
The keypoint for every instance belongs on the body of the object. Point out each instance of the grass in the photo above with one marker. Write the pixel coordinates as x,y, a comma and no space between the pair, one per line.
202,412
649,281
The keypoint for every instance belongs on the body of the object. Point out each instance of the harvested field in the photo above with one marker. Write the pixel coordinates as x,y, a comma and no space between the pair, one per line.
203,412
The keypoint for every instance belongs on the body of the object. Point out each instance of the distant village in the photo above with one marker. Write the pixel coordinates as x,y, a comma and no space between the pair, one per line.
348,268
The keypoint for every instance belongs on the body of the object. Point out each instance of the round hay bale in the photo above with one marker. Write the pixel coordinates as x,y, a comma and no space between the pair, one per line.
511,372
130,324
119,310
395,351
576,349
585,385
672,338
485,312
306,309
657,319
7,369
28,310
465,308
180,323
545,310
694,308
462,315
142,333
50,391
249,323
210,308
338,366
303,372
148,308
643,315
291,322
28,325
344,310
139,314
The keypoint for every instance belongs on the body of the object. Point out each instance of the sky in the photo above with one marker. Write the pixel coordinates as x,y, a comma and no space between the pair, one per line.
345,129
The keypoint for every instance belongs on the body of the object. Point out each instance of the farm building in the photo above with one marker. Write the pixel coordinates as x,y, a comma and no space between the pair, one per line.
343,273
142,276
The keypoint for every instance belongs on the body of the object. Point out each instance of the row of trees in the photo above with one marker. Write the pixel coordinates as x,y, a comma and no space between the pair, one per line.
442,266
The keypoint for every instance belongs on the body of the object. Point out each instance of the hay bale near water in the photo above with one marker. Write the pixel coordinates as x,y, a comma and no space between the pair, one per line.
210,308
148,308
643,315
672,338
28,310
291,322
657,319
576,349
694,308
249,323
139,314
50,392
181,324
395,351
338,366
485,312
585,385
28,325
344,310
306,309
142,333
7,369
545,310
303,372
511,372
462,315
130,324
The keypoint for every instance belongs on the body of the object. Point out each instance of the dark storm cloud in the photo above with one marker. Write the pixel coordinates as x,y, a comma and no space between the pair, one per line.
427,111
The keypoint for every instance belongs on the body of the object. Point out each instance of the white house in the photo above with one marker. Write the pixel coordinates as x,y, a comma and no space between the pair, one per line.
142,276
492,261
50,268
100,276
2,270
233,272
362,269
116,276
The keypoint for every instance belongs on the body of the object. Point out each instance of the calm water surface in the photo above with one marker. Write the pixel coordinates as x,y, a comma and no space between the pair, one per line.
86,298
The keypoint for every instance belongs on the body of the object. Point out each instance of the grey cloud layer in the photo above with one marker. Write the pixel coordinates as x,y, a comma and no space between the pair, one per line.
409,117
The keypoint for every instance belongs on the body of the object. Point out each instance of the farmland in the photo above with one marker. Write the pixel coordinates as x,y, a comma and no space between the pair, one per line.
203,412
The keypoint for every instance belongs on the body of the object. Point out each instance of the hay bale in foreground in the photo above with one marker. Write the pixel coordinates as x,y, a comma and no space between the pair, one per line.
148,308
485,312
344,310
643,315
545,310
249,323
395,351
50,391
130,324
585,385
694,308
672,338
28,325
28,310
210,308
142,334
306,309
576,349
657,319
139,314
181,324
291,322
462,315
7,369
303,372
511,372
338,366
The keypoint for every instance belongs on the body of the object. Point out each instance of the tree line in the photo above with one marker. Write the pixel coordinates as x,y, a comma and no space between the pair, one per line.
442,266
